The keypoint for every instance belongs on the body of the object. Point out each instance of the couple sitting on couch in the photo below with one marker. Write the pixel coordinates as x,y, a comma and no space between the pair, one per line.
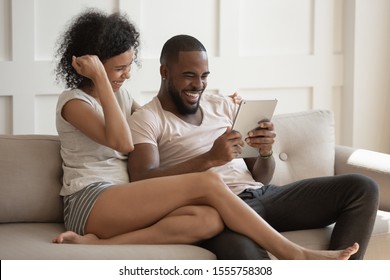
186,183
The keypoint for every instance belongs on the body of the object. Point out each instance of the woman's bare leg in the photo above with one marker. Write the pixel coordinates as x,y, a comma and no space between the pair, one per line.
186,225
139,205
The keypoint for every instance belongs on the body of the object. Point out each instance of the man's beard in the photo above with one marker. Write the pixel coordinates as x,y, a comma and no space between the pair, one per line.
180,105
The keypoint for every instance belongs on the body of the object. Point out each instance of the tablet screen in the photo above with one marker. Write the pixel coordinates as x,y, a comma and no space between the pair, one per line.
248,115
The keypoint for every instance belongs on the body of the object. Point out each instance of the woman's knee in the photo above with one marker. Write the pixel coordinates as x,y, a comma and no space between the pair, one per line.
208,223
214,182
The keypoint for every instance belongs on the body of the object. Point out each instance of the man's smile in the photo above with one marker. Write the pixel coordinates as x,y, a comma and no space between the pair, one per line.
192,96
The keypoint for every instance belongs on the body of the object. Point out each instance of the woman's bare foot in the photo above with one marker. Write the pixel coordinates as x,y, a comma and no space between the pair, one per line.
332,255
74,238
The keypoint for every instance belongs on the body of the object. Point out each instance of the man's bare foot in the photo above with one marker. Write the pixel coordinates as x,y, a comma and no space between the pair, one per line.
74,238
332,255
348,252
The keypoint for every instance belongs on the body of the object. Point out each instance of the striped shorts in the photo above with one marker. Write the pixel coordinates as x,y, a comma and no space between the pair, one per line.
77,206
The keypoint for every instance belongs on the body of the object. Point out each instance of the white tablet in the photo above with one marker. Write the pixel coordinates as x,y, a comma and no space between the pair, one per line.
249,113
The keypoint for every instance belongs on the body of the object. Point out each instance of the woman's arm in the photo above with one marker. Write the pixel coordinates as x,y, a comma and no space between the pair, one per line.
112,130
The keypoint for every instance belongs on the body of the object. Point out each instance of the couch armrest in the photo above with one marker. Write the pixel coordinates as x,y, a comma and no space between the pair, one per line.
373,164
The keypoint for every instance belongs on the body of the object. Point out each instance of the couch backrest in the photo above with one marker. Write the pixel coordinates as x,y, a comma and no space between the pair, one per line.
30,179
304,147
31,165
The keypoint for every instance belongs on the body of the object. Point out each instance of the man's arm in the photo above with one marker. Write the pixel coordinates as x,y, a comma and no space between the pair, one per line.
262,167
144,161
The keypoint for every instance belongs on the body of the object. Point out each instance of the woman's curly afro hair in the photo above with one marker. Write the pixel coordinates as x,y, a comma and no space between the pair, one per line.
93,32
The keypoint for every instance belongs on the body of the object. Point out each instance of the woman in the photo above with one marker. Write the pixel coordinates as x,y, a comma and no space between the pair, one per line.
100,205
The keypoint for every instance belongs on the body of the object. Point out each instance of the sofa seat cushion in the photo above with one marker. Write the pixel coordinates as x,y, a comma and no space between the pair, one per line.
304,146
30,241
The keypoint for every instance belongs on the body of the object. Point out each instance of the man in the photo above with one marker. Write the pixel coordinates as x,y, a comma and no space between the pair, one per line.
181,131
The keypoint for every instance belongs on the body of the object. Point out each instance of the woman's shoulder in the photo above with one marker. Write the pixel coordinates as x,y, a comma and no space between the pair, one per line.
70,94
124,97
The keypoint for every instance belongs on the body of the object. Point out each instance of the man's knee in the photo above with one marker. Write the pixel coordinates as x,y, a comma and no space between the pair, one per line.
362,191
365,186
230,245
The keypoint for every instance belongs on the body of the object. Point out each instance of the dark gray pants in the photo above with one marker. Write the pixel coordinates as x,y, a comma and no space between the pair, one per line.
350,201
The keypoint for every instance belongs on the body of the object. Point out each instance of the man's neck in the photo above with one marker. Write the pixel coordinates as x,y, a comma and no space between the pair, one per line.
168,105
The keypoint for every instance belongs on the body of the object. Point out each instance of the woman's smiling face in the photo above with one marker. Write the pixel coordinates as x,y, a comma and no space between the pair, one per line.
118,68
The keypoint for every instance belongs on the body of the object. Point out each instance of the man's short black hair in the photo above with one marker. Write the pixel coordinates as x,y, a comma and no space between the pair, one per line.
179,43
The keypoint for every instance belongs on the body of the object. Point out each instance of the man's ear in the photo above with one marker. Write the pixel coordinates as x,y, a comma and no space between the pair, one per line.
163,71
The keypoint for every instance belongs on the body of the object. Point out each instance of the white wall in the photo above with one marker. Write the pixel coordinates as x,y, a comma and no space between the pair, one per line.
328,54
367,74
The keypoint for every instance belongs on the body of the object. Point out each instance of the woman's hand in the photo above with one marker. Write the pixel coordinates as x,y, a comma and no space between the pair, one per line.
88,66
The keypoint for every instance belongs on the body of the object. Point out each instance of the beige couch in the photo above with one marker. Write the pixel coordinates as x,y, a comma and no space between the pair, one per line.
31,209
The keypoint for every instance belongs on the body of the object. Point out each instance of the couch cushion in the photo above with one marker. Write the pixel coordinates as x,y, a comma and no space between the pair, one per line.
32,241
30,178
304,146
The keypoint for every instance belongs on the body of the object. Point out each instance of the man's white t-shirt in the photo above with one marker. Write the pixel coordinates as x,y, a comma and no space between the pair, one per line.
179,141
